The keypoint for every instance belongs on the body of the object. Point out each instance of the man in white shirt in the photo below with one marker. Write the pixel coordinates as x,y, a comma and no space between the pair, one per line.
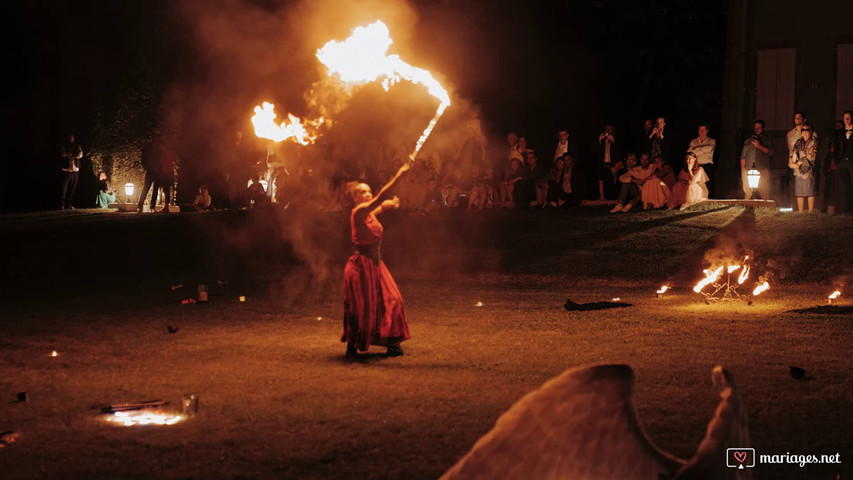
703,146
794,134
562,144
632,185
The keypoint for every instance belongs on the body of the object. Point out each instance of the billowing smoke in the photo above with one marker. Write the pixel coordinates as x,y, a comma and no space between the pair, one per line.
252,51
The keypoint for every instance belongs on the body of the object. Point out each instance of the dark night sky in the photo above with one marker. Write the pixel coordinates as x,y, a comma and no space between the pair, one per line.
533,68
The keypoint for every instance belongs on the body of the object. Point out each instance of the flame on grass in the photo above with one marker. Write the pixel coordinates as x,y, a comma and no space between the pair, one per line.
662,290
711,276
760,288
359,59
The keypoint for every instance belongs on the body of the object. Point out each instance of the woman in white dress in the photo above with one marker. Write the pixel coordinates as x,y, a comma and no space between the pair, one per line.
690,187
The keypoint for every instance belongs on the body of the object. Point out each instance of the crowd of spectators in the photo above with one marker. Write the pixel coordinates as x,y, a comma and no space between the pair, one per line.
645,172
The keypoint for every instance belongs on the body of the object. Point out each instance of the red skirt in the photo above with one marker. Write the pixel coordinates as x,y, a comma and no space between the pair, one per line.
373,306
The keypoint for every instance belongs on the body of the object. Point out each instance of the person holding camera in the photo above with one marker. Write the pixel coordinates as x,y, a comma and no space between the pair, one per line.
607,152
757,151
659,141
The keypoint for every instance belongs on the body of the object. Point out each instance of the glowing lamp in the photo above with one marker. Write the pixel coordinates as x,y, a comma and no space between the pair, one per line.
753,176
128,190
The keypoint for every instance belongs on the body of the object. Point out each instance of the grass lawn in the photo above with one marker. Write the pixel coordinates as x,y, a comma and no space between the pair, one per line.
277,399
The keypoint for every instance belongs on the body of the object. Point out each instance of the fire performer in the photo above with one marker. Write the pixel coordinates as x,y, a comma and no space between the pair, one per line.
373,306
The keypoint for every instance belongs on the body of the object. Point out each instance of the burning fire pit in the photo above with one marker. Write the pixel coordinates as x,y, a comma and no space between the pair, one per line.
726,279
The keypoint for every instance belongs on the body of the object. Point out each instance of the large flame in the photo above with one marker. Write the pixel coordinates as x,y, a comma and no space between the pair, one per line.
835,295
295,130
710,277
362,58
761,288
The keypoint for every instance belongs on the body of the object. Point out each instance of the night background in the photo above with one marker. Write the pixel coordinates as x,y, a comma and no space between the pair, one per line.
113,72
242,308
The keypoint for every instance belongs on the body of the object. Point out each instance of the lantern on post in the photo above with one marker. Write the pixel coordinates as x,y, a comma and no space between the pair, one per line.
752,178
128,191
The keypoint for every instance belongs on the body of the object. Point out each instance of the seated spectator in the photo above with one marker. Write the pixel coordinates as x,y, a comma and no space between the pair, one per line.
202,200
477,195
559,192
432,201
658,186
513,175
534,185
256,195
492,186
690,187
610,182
106,195
632,182
457,185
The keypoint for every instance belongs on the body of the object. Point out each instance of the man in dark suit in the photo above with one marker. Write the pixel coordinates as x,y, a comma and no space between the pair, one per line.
606,152
844,162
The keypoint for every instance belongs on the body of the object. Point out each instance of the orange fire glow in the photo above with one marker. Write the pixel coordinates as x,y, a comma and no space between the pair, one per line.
711,276
761,288
295,130
144,417
362,58
359,59
835,295
663,289
744,274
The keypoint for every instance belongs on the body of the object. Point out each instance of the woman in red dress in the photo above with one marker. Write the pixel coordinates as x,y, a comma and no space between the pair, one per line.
373,307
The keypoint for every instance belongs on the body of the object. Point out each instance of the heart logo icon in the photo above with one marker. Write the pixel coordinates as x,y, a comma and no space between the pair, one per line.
740,456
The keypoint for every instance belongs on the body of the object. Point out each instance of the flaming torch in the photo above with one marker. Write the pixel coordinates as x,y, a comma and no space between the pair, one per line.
362,58
359,59
662,290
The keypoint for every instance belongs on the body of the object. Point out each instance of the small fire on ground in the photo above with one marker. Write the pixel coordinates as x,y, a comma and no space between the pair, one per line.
144,417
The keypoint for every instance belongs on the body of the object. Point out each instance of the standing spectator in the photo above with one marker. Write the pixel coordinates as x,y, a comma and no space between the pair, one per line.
794,134
151,165
659,141
830,170
641,141
703,146
607,152
802,162
166,175
632,183
757,151
844,160
690,187
71,155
